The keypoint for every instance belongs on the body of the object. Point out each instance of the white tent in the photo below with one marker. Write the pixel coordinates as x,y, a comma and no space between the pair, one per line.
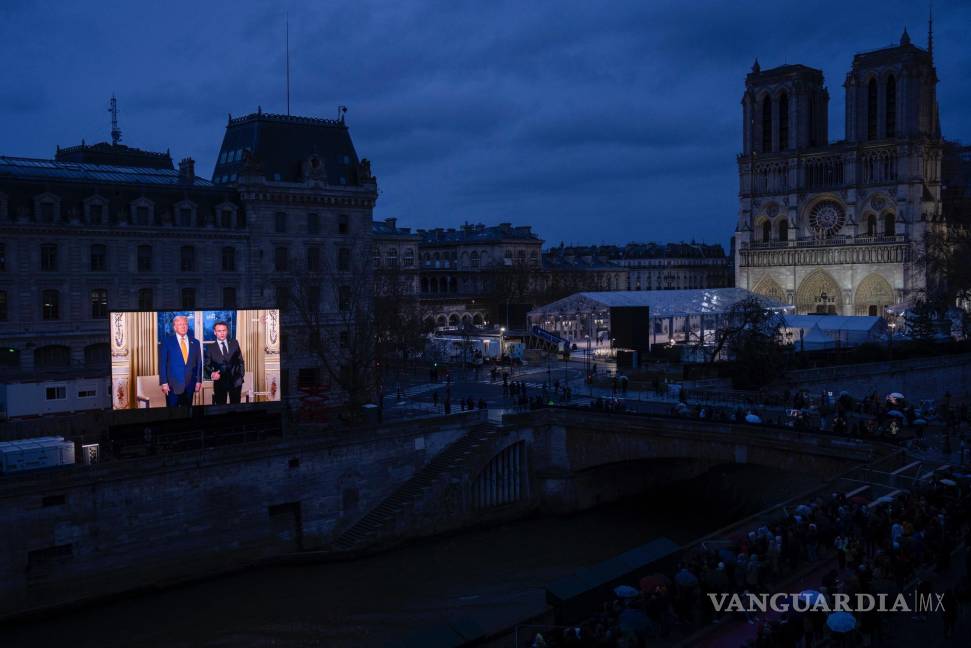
846,330
815,340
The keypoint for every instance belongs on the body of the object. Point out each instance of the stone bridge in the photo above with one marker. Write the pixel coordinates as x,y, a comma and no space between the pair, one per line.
563,460
89,531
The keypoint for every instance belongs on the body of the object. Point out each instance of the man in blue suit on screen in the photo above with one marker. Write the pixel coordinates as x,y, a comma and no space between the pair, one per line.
180,365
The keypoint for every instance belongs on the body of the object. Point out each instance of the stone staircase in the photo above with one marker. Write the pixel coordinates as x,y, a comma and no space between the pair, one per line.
373,528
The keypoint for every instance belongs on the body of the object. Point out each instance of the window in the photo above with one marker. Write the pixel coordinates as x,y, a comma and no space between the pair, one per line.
3,308
145,299
229,297
312,294
99,303
52,357
200,218
188,257
393,257
344,298
280,259
96,356
226,218
408,259
229,259
871,225
188,298
95,213
50,305
141,215
47,212
185,217
87,393
280,223
99,258
343,339
891,104
343,225
57,393
343,259
376,256
889,227
784,230
48,257
766,125
240,219
475,258
144,258
313,223
3,257
313,258
282,298
871,110
766,231
783,122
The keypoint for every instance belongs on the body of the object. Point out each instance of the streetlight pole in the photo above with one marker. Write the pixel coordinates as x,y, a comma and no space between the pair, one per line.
893,325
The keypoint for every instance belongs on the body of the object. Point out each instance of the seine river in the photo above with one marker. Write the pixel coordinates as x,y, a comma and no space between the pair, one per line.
487,576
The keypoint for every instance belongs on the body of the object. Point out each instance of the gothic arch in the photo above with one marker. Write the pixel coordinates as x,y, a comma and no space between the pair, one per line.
818,293
768,287
872,295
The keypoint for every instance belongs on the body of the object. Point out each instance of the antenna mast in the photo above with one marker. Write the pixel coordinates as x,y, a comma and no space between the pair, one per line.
115,131
930,30
287,43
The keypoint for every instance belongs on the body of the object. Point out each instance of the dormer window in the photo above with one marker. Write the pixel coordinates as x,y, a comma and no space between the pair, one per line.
47,208
142,212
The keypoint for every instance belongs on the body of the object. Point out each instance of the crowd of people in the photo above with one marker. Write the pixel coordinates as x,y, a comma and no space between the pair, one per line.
850,545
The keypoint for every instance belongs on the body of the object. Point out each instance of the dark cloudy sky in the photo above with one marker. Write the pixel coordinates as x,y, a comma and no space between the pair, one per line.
592,121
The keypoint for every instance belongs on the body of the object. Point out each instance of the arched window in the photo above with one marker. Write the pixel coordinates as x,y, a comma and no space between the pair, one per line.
891,106
453,319
766,231
783,122
52,357
393,257
889,227
424,284
766,124
784,230
871,225
871,110
475,259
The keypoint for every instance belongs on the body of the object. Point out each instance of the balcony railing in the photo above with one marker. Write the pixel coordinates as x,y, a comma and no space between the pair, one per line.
775,172
832,241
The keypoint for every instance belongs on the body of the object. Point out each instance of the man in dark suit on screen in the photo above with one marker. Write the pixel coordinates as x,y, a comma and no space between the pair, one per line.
224,361
180,365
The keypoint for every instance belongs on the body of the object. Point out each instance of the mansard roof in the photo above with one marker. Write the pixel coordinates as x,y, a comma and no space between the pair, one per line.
22,168
115,155
281,144
469,233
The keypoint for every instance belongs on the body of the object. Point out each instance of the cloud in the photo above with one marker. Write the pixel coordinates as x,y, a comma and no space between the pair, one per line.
590,121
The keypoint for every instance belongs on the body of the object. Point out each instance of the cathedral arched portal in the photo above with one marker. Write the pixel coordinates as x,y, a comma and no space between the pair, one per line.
873,295
768,287
818,293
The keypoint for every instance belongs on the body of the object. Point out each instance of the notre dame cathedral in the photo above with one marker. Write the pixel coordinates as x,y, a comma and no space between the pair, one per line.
840,227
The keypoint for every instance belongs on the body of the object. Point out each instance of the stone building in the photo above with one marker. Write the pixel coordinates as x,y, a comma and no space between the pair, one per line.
839,227
476,274
581,268
655,266
109,227
394,254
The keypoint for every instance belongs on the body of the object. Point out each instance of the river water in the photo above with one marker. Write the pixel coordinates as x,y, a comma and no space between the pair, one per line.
490,577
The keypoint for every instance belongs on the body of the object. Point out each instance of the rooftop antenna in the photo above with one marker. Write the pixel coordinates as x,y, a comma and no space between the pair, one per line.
287,43
115,131
930,30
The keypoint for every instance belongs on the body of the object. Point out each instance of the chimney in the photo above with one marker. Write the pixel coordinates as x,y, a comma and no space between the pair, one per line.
392,222
187,170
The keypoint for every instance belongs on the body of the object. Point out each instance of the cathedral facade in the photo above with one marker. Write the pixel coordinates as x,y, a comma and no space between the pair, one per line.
839,227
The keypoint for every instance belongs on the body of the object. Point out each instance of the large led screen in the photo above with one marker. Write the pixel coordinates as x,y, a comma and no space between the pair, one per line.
191,358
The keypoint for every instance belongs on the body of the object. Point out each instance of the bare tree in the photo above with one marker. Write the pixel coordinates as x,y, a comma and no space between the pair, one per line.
334,306
944,260
751,335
